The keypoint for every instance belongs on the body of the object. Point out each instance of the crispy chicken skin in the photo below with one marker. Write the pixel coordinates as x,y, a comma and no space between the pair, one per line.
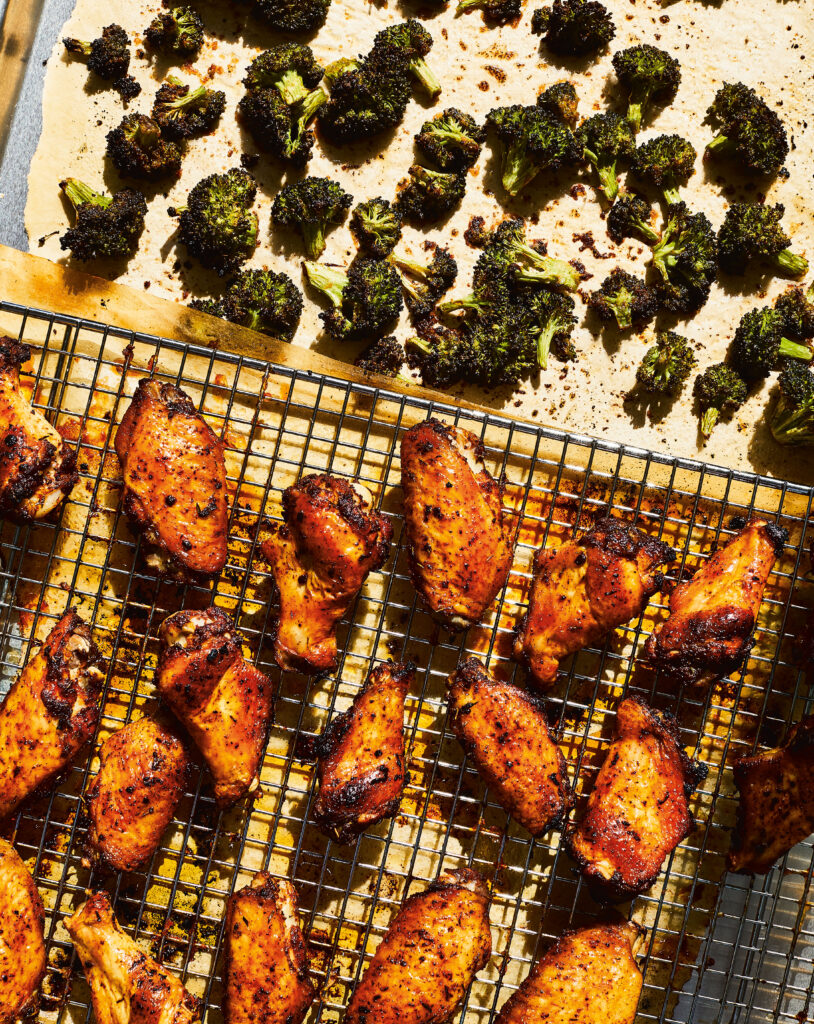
588,976
266,958
320,556
225,703
505,732
712,616
133,798
637,813
174,482
361,758
50,712
460,538
583,589
37,468
126,985
22,947
435,946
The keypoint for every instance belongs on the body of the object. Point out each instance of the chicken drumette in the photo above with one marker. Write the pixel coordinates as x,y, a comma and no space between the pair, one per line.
460,538
22,946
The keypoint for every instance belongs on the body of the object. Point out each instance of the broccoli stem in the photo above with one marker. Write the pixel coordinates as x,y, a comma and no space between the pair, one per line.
719,144
622,308
329,281
794,350
518,170
544,340
793,424
709,418
634,114
309,106
467,302
80,46
314,237
671,195
189,100
606,172
426,76
791,263
416,269
78,193
291,87
548,271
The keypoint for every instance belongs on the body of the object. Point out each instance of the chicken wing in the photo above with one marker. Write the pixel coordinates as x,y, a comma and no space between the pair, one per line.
126,985
637,813
435,946
505,732
460,538
776,809
133,798
174,482
22,945
37,468
712,616
361,760
226,704
588,976
583,589
320,556
266,958
50,712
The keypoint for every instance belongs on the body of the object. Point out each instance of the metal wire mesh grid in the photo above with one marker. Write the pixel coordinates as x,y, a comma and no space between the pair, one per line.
719,947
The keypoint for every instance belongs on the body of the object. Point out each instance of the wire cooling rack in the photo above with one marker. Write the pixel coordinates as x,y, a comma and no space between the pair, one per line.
719,948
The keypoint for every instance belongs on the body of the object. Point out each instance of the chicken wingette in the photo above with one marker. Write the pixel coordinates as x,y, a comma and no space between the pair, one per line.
266,958
126,985
460,538
50,712
330,539
504,730
583,589
435,946
638,811
174,482
225,703
133,797
22,945
708,632
37,467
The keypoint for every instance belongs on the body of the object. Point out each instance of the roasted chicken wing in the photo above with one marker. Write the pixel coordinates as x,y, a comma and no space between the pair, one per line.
50,712
361,760
504,731
712,616
37,468
331,538
637,813
126,985
22,947
435,946
586,977
174,482
266,958
583,589
133,798
226,704
460,538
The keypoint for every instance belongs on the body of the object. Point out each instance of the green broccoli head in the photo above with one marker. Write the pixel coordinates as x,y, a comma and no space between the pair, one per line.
752,231
748,130
260,300
184,114
441,353
533,140
574,28
385,356
649,75
217,225
796,309
498,11
452,140
686,257
367,96
759,344
668,161
428,196
624,299
503,349
109,58
311,206
561,101
411,41
667,364
295,16
290,68
366,301
630,217
550,321
792,420
376,226
720,390
177,32
605,139
424,284
138,150
105,225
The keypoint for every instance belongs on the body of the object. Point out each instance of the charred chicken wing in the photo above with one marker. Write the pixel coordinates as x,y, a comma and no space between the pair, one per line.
225,702
174,482
435,946
22,947
712,616
637,813
133,798
126,985
460,538
331,538
266,958
37,468
505,732
361,760
50,712
586,977
583,589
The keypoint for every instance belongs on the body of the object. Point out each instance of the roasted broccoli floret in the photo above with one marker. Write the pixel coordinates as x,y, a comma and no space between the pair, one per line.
796,309
551,320
686,257
290,68
177,32
792,419
759,344
667,161
217,225
261,300
720,390
385,356
105,225
574,28
311,206
428,196
440,352
649,75
748,129
752,231
411,40
109,58
503,348
561,101
624,299
367,96
424,284
629,217
452,140
293,15
667,364
138,150
366,300
605,139
533,141
499,11
184,114
376,226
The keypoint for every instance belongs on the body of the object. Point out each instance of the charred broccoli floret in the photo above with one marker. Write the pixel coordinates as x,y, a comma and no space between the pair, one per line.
792,420
138,149
292,15
533,141
412,42
796,309
440,352
385,356
428,196
184,114
503,347
366,300
105,225
177,32
752,231
748,129
551,320
667,364
452,140
290,68
217,225
649,75
376,226
424,284
261,300
109,58
759,344
574,28
667,161
605,139
624,299
367,96
311,206
499,11
629,217
720,390
561,101
686,257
